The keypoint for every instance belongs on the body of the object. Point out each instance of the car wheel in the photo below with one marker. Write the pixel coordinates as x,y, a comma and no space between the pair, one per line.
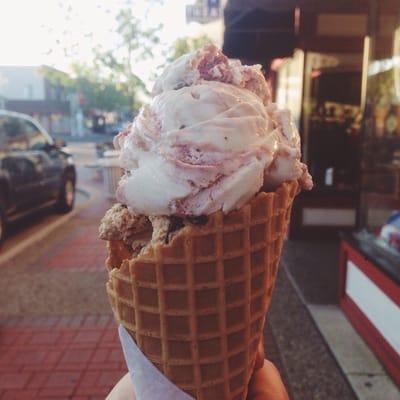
66,197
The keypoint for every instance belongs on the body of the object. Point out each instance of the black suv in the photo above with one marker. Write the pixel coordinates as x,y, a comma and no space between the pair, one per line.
34,171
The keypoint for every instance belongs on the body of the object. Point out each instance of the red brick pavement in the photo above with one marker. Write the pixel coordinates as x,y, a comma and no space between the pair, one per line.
82,250
65,357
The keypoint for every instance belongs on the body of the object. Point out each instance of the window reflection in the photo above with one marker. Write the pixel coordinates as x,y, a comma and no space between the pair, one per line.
380,157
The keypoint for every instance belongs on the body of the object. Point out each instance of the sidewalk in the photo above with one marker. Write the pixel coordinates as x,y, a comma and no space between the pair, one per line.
58,339
311,266
309,369
75,357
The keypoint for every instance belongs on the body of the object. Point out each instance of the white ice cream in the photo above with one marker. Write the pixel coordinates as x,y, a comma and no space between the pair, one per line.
208,141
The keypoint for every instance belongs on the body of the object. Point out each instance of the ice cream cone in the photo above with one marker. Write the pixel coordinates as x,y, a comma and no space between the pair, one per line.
196,306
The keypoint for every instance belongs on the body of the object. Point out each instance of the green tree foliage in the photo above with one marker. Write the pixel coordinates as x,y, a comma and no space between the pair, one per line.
95,90
109,83
135,44
185,45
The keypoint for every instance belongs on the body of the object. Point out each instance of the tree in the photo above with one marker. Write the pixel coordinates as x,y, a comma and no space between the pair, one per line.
187,44
136,43
96,90
109,81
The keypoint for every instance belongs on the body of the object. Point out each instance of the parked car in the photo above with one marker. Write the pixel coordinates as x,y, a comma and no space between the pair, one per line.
35,171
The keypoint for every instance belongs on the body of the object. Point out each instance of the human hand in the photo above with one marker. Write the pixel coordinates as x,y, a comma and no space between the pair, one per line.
265,384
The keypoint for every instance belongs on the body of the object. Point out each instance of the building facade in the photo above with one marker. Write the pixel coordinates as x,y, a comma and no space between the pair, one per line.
25,89
335,65
205,11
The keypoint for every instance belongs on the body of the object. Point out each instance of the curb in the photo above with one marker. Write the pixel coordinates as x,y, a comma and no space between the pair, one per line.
83,192
43,233
308,308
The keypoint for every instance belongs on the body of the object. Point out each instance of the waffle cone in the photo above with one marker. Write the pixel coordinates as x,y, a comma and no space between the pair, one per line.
196,306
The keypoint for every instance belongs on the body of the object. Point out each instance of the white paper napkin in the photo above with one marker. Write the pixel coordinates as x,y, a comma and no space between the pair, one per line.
148,382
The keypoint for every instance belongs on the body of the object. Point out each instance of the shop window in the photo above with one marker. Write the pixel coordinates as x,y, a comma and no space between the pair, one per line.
379,214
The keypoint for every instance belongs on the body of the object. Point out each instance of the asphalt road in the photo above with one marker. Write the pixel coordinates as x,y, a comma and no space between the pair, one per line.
27,229
54,264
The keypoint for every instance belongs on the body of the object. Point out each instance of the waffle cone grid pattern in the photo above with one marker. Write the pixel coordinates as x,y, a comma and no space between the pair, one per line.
196,306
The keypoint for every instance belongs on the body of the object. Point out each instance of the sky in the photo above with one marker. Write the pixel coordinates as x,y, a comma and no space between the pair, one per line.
36,32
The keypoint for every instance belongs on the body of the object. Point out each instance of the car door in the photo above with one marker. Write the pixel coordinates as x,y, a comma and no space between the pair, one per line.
41,146
23,169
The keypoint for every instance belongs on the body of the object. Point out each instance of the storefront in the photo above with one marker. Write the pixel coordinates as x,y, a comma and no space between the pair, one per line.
370,257
336,66
323,92
312,52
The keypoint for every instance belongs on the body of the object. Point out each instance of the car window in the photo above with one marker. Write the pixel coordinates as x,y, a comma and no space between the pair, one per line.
19,166
2,134
12,134
36,139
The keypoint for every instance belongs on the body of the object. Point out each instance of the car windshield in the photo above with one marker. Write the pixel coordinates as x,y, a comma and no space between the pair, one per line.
12,135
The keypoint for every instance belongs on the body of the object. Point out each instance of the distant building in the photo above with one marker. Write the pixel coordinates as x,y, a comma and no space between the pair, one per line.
25,89
209,14
205,11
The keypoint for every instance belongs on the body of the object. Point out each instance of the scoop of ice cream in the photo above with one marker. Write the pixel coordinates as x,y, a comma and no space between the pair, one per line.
286,165
186,153
208,141
210,64
120,224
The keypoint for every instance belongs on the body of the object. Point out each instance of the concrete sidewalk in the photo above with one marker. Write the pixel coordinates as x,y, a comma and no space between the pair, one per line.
312,268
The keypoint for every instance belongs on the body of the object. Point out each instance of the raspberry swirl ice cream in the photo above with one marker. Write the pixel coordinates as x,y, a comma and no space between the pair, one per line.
209,140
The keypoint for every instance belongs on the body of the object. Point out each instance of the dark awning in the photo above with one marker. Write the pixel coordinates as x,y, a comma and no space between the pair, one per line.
306,5
42,107
258,31
258,34
261,30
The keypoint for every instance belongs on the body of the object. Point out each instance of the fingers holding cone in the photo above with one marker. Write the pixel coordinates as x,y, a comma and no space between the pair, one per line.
260,356
266,384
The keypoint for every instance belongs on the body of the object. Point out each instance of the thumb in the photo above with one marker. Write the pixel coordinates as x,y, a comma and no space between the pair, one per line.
266,384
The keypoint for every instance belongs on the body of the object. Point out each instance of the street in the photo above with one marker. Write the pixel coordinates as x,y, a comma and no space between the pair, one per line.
29,227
